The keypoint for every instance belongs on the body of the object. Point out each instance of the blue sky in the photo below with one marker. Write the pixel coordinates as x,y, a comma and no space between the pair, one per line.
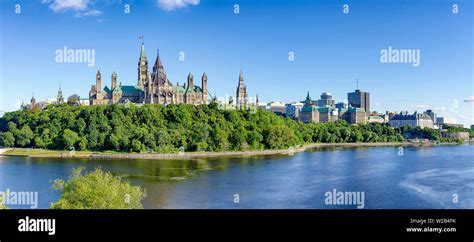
331,49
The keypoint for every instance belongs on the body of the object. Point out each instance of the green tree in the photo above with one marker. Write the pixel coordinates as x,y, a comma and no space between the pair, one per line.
24,136
7,139
279,137
69,138
83,143
2,206
74,100
136,145
114,142
97,190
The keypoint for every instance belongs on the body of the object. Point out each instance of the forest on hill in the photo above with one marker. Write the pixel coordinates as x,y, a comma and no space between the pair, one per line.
174,128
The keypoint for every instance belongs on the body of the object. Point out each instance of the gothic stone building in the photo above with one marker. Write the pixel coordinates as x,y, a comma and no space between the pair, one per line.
152,87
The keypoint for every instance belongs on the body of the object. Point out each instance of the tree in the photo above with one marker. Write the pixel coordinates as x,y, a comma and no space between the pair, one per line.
83,143
69,138
136,145
74,100
97,190
7,139
24,136
114,142
2,206
279,137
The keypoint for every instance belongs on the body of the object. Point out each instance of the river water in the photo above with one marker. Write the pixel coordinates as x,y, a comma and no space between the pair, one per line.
417,177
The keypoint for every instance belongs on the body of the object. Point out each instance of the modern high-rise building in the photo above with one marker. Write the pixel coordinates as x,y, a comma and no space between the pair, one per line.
359,99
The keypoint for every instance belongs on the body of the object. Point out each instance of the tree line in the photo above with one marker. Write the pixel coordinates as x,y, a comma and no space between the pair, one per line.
174,128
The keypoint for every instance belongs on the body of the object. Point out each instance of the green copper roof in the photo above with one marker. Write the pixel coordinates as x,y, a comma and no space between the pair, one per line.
107,90
128,89
142,51
323,110
179,89
195,89
308,98
117,89
309,108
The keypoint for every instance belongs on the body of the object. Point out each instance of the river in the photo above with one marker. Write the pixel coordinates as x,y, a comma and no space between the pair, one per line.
417,177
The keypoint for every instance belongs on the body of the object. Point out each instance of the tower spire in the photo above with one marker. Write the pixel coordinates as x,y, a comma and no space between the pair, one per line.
33,100
60,98
308,99
158,60
142,65
241,93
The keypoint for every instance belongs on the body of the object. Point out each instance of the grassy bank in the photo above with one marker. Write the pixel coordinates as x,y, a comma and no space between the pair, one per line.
185,155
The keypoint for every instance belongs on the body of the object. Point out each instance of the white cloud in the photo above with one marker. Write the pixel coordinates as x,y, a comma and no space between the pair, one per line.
170,5
81,8
469,99
92,12
64,5
421,106
440,109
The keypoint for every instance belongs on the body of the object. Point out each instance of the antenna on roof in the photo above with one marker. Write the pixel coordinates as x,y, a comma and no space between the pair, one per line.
357,83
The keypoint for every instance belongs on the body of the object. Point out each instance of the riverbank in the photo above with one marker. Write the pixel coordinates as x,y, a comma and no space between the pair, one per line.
25,152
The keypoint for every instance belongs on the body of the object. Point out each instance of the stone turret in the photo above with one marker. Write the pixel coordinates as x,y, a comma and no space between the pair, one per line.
204,88
241,93
114,80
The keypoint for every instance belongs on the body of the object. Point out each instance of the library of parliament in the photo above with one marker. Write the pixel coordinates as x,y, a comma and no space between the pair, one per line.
155,87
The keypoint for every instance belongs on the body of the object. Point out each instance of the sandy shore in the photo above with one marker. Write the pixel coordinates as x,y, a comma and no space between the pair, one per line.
189,155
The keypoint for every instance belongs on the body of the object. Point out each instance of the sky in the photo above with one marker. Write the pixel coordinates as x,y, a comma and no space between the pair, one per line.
284,48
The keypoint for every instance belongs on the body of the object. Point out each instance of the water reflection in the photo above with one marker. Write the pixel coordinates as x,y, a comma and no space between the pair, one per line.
276,181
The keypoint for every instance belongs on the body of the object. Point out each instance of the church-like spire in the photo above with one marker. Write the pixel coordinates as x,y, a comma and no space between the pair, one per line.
308,99
60,98
33,100
158,64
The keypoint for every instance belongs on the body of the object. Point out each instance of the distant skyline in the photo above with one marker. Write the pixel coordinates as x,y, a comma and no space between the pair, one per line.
332,49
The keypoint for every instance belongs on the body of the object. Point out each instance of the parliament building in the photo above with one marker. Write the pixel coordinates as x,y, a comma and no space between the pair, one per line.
151,87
